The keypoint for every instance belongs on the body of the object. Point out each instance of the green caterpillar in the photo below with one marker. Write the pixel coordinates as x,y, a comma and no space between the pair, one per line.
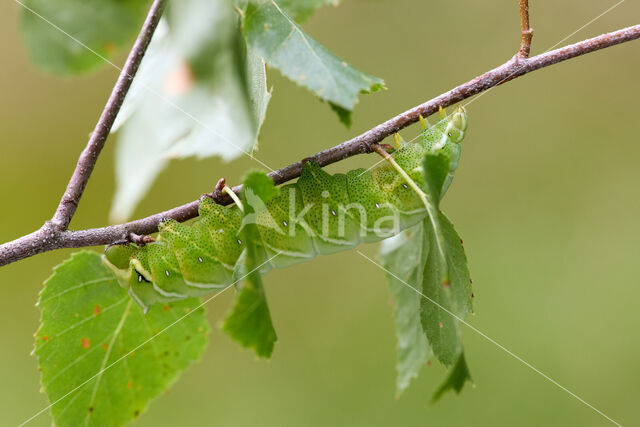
319,214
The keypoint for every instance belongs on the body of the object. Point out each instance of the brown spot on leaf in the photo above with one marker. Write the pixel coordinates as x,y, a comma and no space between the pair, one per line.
441,325
136,413
90,408
96,310
45,338
85,342
105,346
446,284
129,384
165,308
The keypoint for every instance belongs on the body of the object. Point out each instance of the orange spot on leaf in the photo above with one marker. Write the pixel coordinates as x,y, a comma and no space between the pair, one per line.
165,308
85,343
129,384
110,47
96,310
179,80
105,346
45,338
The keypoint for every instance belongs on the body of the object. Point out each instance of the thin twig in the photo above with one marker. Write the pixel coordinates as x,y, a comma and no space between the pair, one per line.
40,241
89,156
525,29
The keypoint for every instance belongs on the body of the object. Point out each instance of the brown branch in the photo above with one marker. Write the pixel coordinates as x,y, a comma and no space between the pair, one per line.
525,30
44,240
89,156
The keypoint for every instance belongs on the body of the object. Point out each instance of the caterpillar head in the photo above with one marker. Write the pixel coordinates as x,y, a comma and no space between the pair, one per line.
119,254
457,125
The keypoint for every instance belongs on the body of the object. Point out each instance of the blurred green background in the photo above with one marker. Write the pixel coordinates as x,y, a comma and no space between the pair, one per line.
546,200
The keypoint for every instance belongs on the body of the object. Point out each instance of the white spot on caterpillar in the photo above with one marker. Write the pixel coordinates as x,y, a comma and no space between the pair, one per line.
377,206
200,259
139,278
221,231
405,185
239,241
333,212
166,272
284,223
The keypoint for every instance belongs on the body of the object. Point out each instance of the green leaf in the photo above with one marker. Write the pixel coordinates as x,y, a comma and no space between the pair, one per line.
436,167
446,283
447,291
344,115
200,92
403,256
457,268
261,185
458,375
284,45
102,26
301,10
249,321
102,360
429,261
441,327
259,93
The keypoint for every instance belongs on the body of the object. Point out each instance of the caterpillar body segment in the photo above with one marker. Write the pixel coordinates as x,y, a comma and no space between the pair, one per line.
319,214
